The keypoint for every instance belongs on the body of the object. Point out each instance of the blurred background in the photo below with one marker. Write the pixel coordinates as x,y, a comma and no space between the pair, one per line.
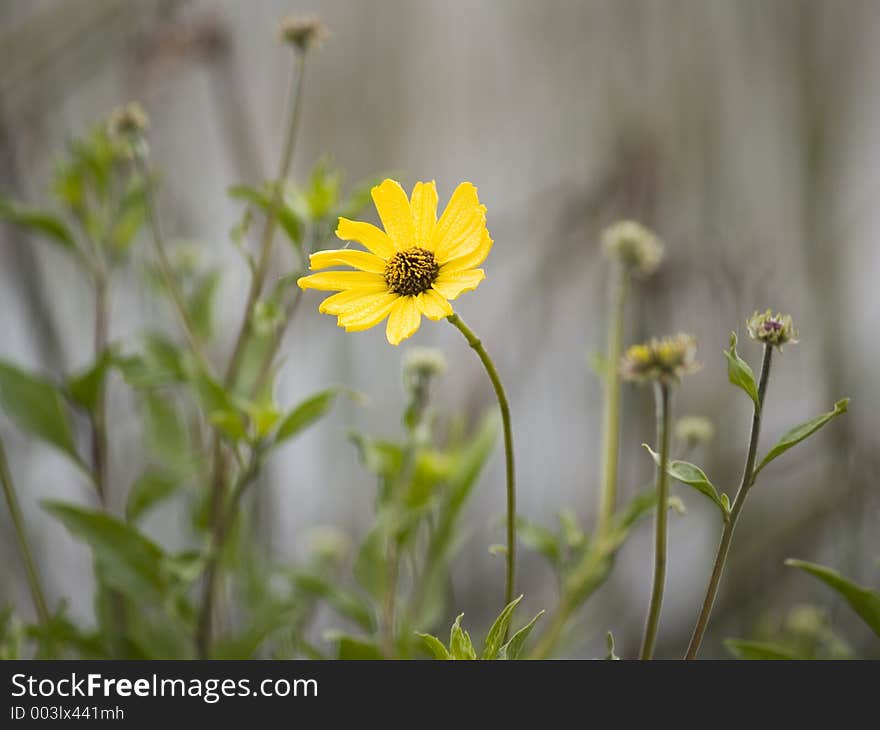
743,133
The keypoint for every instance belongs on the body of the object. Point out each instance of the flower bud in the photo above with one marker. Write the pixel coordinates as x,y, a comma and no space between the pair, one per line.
128,121
637,248
773,329
302,31
663,360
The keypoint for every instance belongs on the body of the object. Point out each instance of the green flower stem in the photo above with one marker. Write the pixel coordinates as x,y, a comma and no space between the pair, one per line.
165,268
663,432
611,402
39,598
477,347
99,417
748,479
218,459
262,266
225,520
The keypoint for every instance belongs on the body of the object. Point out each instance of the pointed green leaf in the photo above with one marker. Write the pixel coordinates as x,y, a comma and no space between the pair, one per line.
151,488
127,560
761,650
865,602
799,433
47,224
305,414
495,637
36,405
693,476
85,387
738,371
435,646
460,645
513,648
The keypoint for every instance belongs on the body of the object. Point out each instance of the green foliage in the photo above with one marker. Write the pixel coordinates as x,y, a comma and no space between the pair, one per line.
865,602
37,406
805,632
693,476
799,433
738,371
496,645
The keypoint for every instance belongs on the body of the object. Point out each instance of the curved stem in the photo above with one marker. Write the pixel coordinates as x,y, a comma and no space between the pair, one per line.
39,598
611,403
653,621
748,478
477,347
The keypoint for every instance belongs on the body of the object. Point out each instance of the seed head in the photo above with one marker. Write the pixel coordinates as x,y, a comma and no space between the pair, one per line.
665,360
128,121
774,329
638,249
302,31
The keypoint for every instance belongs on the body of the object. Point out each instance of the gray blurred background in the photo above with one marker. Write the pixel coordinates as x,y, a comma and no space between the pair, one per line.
744,133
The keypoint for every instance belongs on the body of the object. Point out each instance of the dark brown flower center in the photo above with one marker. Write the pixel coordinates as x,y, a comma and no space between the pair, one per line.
411,272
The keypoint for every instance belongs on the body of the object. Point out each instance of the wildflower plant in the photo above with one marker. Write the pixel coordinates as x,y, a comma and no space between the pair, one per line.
210,423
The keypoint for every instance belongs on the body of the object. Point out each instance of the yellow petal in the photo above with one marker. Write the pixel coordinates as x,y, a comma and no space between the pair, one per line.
396,214
432,305
459,230
452,283
340,280
347,257
472,259
424,212
368,315
403,320
366,234
351,299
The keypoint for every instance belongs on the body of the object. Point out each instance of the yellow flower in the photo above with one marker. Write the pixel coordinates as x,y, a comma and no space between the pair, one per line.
416,266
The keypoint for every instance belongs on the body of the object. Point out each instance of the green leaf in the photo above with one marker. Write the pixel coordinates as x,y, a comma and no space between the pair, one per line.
85,387
305,414
460,645
353,648
435,646
540,539
799,433
201,304
693,476
47,224
865,602
346,603
264,199
762,650
36,405
513,648
738,371
126,559
495,637
151,488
